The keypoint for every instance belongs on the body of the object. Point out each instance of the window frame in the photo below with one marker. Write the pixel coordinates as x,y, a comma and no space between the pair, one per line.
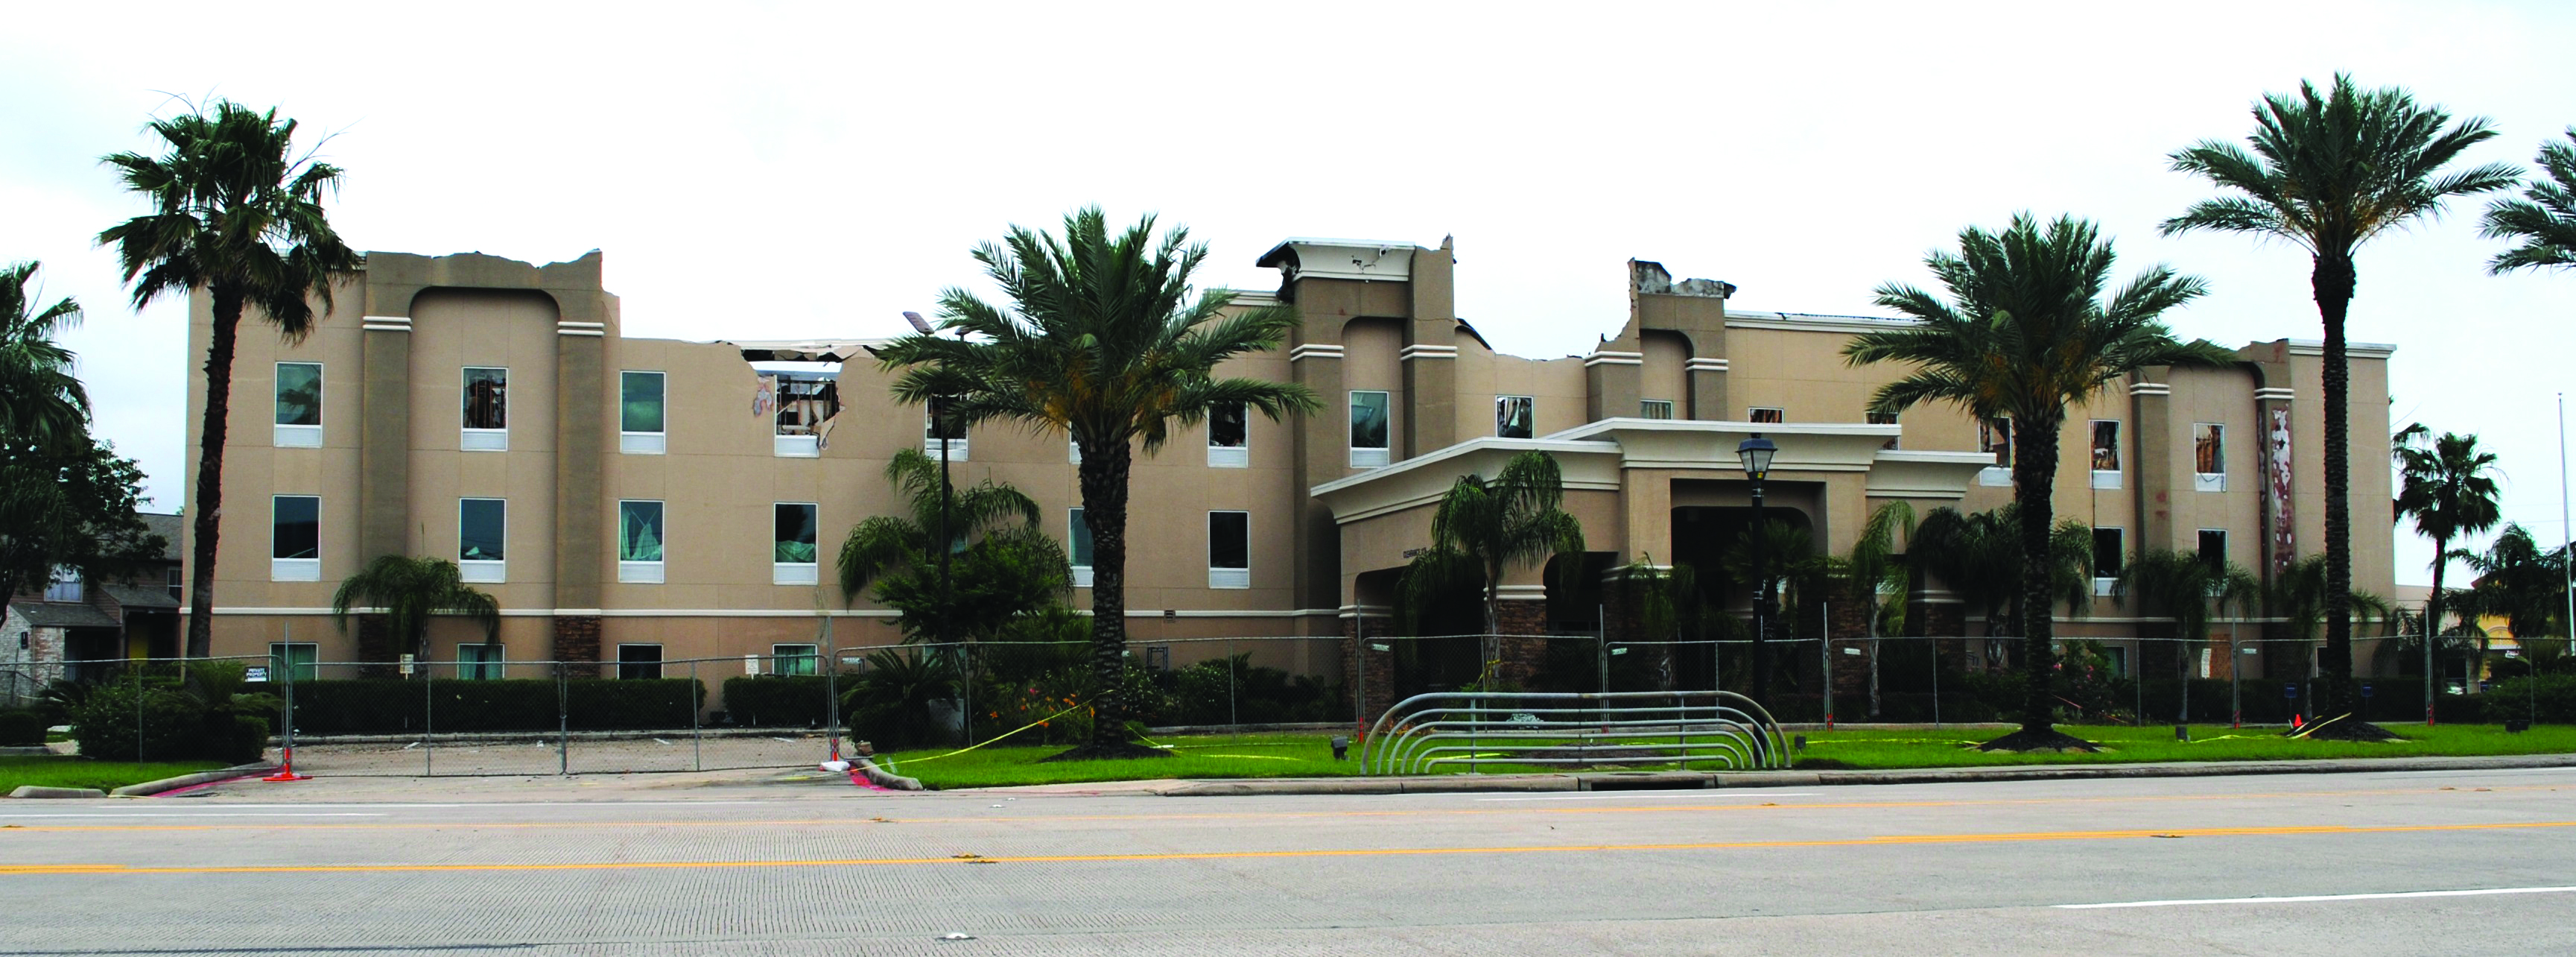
812,658
1237,455
2103,478
624,666
1370,456
2200,546
638,442
1503,413
295,435
2104,584
1753,414
796,573
294,568
476,438
1995,437
481,668
2209,481
283,659
1646,409
1077,541
959,447
483,570
1229,577
643,571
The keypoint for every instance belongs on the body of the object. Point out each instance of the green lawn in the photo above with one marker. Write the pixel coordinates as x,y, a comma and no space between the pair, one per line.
74,772
1310,755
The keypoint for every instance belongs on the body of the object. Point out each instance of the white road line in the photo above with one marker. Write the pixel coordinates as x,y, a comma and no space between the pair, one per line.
191,815
2313,898
1635,795
478,804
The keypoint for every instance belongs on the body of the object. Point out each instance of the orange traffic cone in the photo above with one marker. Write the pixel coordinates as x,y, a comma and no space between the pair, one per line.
286,768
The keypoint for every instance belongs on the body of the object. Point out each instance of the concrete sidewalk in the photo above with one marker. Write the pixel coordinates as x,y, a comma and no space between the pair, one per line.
1686,780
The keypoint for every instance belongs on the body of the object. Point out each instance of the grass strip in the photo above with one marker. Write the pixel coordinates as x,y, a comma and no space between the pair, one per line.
79,772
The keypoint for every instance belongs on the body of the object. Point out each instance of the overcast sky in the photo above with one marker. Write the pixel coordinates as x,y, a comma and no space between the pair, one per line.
760,171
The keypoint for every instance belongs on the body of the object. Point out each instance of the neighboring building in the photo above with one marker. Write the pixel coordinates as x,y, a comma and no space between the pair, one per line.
75,628
613,492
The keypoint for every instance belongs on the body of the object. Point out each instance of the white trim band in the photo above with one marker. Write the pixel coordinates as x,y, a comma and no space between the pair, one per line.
1608,357
2150,388
1315,350
1412,352
1705,364
2274,393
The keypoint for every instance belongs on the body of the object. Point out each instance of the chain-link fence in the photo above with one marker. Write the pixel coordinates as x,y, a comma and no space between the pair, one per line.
478,713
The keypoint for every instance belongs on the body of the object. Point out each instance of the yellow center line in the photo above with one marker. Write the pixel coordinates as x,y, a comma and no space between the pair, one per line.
1880,841
1264,815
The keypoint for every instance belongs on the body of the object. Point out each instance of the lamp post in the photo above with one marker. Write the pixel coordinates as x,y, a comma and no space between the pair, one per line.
1755,454
946,544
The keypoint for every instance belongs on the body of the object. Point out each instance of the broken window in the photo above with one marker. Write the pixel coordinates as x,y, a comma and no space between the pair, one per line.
1766,414
1515,416
1994,435
805,402
1882,418
2106,445
487,398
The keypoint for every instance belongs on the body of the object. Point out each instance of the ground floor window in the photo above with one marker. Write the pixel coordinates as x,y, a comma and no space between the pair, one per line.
793,659
639,662
481,662
293,661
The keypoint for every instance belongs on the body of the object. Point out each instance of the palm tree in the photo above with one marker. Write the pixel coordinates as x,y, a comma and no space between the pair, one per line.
1484,528
408,591
2520,582
1979,556
234,212
1003,566
888,543
2328,173
1877,573
1104,342
2448,485
40,400
2544,219
2182,586
1795,568
2025,335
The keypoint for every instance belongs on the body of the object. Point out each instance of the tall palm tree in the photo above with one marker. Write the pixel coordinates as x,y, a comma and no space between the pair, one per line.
40,400
2328,172
2183,586
237,213
2544,219
408,592
2448,484
1484,528
2025,334
1103,340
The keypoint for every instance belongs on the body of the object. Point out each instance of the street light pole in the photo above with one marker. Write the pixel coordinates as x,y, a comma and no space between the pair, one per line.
939,426
1755,455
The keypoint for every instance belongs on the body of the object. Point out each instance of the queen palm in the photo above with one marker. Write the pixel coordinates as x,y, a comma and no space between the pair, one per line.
2026,333
1979,557
2328,172
41,402
1103,339
1485,527
2544,218
2183,586
984,520
2448,485
409,591
237,213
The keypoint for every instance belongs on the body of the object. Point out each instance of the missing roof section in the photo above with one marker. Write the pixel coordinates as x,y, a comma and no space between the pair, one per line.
1651,279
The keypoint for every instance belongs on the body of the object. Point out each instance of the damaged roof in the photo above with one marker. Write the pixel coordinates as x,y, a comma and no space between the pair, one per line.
804,350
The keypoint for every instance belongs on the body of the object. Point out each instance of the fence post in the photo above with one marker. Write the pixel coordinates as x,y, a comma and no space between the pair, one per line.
563,721
831,688
1232,717
137,668
697,746
428,740
1825,659
1936,677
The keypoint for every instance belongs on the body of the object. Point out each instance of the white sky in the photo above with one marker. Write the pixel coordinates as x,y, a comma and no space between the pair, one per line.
775,171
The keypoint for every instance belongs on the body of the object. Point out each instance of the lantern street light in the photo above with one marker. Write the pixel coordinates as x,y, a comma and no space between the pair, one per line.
1755,453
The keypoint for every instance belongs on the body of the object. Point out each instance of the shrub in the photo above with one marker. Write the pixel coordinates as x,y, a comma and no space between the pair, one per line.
2513,698
20,727
779,701
397,706
165,725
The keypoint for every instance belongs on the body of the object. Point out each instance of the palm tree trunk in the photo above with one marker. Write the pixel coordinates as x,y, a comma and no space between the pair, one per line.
2332,283
2433,615
210,472
2034,486
1103,476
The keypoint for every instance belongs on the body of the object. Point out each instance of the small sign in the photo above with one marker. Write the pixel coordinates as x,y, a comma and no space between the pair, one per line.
406,666
257,674
2290,689
2365,691
751,665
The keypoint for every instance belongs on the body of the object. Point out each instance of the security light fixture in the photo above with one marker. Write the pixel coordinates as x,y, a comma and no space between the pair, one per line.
919,324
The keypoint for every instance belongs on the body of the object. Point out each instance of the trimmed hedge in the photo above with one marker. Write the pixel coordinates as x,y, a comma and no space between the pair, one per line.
21,727
779,701
395,706
167,725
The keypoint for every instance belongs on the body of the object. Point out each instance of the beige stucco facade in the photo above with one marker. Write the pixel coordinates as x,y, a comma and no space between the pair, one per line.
1644,425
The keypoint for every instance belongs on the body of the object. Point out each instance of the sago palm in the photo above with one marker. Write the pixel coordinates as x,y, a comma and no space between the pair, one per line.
2328,172
2026,333
1105,339
41,402
237,213
408,592
2544,219
2448,486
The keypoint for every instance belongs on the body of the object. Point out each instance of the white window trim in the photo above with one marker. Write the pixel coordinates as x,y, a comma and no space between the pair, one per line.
2104,585
2108,479
812,652
643,443
640,573
2209,481
795,573
1072,521
1366,457
1501,402
482,440
294,569
483,571
297,436
1229,578
1669,408
957,447
796,446
1230,456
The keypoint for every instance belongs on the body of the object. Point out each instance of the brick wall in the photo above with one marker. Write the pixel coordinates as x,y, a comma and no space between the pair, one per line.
577,640
1519,659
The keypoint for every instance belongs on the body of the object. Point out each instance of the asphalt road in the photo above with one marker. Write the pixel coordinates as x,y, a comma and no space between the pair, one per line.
2392,863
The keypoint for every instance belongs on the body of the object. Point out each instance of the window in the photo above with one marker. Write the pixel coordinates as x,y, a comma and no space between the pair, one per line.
1228,432
295,538
806,404
639,662
1229,549
792,544
642,427
1368,429
1762,413
176,584
293,661
299,406
639,542
482,526
1655,409
482,662
2108,551
1077,537
794,660
1882,418
2119,659
487,410
1515,416
2106,453
942,434
2213,548
65,586
1994,435
2208,457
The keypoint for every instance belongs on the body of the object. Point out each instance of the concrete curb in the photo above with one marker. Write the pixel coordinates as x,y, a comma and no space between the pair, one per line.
543,737
883,778
149,788
1688,780
29,751
41,791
